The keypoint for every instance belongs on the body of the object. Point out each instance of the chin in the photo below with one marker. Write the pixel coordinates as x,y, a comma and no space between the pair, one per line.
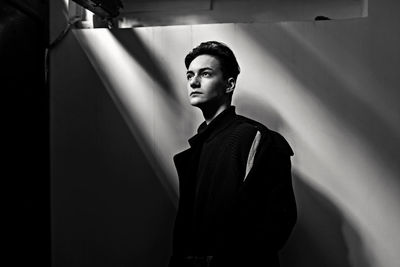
195,103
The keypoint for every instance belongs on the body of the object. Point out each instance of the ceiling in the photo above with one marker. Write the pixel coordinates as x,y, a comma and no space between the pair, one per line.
184,12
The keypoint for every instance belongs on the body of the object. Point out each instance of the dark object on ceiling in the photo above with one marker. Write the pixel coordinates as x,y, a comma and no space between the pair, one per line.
102,8
321,18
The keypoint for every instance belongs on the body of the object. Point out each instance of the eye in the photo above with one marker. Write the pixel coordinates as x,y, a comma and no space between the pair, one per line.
189,76
206,74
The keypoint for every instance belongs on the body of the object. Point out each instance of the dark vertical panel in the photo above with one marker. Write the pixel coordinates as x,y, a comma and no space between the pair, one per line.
23,36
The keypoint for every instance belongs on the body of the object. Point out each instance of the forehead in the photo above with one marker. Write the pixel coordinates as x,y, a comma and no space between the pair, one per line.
204,61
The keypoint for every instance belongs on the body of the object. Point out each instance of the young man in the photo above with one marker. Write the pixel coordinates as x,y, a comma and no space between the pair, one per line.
236,205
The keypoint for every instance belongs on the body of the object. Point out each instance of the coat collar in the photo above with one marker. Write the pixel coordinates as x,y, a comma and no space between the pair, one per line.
220,122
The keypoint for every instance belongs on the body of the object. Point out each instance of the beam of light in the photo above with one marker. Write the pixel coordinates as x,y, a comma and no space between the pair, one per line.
349,74
89,18
332,158
144,105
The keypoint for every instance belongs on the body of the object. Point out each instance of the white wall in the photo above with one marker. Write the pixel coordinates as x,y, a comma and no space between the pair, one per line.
119,113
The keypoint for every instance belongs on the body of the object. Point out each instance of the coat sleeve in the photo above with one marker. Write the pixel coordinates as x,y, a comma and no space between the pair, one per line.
265,211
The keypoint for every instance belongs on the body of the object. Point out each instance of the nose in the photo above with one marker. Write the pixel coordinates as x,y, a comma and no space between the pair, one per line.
194,82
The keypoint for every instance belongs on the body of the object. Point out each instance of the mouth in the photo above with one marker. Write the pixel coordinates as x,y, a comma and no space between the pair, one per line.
195,93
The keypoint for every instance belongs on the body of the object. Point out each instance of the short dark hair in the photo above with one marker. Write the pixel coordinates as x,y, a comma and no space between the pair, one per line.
225,56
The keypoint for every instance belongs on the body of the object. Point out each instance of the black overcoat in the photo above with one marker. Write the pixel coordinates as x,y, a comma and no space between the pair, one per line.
239,219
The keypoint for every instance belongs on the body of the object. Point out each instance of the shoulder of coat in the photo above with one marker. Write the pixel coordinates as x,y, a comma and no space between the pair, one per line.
273,139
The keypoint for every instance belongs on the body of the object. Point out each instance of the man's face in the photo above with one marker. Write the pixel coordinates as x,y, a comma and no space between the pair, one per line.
206,84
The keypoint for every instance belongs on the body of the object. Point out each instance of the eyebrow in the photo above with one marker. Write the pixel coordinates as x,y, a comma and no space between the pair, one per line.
200,70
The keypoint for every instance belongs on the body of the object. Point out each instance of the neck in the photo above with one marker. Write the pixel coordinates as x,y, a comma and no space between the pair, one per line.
210,113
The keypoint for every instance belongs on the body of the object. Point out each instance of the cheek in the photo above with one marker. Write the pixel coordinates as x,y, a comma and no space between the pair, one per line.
213,87
218,88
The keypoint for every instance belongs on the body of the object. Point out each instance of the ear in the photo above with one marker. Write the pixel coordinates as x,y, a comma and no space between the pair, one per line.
231,83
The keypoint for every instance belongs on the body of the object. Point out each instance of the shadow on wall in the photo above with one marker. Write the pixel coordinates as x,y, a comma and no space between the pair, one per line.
253,108
322,236
348,93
